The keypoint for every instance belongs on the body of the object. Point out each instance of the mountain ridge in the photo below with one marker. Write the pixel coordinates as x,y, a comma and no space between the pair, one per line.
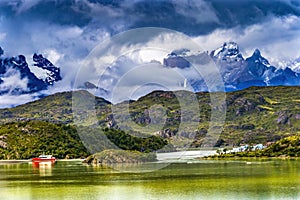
256,114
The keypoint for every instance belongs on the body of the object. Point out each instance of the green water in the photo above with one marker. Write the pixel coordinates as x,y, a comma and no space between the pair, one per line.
255,179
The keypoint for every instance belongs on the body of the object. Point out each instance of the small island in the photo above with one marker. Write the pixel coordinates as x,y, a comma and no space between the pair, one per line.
114,156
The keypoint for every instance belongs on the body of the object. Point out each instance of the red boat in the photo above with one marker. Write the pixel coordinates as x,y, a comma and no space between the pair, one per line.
44,158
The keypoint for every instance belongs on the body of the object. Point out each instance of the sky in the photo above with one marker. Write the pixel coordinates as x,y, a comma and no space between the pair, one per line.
67,32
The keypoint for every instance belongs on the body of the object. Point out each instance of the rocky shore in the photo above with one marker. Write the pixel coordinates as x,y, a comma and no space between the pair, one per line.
113,156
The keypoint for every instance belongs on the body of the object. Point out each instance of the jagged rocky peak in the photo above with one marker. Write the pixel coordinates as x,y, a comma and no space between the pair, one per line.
256,53
20,62
229,52
231,47
52,72
257,58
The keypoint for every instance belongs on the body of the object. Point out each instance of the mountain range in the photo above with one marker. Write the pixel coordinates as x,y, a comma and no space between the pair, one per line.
237,72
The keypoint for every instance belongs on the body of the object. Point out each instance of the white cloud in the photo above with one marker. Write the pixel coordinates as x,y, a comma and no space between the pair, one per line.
278,38
144,78
127,54
2,36
12,80
8,100
26,5
52,55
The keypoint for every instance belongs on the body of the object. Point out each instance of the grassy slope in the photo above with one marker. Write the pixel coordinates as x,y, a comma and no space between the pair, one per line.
23,140
254,115
56,108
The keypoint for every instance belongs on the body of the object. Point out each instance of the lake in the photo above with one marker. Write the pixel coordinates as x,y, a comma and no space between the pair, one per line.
194,179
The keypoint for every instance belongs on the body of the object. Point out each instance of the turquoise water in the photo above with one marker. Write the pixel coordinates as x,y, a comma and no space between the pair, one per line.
252,179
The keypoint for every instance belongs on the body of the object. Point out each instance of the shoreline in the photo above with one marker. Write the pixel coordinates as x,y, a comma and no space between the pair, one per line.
13,161
29,160
249,157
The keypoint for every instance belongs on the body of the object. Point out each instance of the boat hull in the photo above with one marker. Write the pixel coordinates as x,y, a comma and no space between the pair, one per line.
43,159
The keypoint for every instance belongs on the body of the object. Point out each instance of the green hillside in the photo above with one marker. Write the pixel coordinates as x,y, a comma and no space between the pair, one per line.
254,115
289,146
56,108
23,140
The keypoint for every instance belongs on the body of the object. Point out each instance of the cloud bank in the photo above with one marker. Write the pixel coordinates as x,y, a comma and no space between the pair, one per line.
66,31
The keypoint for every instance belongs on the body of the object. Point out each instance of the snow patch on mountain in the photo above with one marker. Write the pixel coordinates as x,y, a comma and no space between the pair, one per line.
17,77
39,72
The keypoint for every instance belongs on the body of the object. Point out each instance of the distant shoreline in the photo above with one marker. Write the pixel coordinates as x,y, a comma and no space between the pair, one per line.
29,160
13,161
219,157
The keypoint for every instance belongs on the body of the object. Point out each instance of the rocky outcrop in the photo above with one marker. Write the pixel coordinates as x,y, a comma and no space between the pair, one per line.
113,156
166,133
283,118
3,144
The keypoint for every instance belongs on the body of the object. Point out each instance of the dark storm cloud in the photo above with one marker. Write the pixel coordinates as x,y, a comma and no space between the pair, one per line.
58,12
193,17
223,14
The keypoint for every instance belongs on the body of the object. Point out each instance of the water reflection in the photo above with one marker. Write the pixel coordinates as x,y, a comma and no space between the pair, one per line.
43,168
269,179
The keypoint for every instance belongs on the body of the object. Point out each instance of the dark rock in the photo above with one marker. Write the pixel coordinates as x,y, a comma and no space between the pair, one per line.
247,127
243,105
89,85
219,143
1,52
282,119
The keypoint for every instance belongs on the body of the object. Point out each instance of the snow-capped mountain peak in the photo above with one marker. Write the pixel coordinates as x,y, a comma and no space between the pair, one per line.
35,78
229,52
50,73
259,59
